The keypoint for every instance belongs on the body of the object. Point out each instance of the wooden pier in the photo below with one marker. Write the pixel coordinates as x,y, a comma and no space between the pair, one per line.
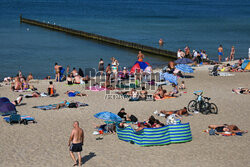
121,43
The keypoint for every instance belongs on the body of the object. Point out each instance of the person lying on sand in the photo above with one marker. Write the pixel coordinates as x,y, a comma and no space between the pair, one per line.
226,128
168,113
109,128
60,105
241,91
18,100
76,93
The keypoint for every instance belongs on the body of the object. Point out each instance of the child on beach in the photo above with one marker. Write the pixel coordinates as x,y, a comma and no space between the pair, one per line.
182,86
51,89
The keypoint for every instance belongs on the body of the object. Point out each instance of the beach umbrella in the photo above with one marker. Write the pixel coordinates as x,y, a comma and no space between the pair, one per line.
184,61
184,68
170,77
139,65
6,107
108,116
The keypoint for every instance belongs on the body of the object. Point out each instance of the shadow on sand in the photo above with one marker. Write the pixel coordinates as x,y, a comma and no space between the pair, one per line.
88,157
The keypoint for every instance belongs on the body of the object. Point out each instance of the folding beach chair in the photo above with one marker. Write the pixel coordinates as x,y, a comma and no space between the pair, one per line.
214,71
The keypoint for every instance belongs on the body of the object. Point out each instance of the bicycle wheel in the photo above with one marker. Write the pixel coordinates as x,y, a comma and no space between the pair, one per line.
205,108
192,106
213,108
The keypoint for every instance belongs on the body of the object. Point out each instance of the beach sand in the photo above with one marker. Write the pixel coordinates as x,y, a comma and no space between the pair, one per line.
45,143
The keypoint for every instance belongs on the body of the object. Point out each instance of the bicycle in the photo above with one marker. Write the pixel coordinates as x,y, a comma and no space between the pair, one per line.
202,105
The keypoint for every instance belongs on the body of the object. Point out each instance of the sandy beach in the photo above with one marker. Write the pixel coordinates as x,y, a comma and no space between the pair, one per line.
45,143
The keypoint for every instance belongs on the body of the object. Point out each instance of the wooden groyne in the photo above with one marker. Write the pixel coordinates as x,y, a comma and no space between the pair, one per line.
121,43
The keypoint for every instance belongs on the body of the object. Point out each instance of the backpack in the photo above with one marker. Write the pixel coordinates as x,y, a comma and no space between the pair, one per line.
72,105
211,132
133,118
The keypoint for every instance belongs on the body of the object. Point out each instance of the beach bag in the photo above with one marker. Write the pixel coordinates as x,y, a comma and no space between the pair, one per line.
211,132
133,118
72,105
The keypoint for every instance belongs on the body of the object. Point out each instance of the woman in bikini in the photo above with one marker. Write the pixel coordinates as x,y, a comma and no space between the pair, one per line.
226,128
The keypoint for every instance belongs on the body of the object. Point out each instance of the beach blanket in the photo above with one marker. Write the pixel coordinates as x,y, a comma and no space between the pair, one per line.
96,88
23,117
179,133
127,86
53,106
168,97
20,91
223,134
225,74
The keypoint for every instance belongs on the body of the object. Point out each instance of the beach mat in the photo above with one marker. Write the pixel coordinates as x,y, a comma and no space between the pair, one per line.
23,117
53,106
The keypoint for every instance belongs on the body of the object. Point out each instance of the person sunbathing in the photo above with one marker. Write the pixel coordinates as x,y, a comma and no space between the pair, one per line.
18,100
17,85
60,105
226,128
70,79
76,93
77,79
241,91
158,124
178,112
109,128
143,94
51,89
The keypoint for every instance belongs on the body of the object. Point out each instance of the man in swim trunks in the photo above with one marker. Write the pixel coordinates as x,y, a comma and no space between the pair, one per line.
178,112
220,53
77,79
140,56
57,69
76,140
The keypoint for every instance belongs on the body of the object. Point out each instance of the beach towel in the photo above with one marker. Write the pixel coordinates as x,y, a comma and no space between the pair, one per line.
179,133
96,88
166,97
225,74
53,106
23,117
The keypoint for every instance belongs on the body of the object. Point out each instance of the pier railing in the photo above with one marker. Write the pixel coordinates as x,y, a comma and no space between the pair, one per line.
121,43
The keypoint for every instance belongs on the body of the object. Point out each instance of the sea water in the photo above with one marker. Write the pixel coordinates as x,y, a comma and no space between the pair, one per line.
200,24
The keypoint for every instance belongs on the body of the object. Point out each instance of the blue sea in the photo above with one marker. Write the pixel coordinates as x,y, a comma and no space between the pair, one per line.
200,24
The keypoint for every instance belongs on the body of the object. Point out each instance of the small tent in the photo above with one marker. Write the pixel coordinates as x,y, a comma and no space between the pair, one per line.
6,107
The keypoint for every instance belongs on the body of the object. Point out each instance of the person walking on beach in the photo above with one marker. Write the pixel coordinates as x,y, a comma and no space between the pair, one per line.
220,53
76,141
232,53
101,66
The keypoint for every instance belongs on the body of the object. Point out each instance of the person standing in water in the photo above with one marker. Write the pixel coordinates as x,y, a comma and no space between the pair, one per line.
161,42
220,53
232,53
140,56
76,141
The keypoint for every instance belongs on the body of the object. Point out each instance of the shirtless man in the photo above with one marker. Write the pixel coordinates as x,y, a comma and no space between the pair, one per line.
17,85
178,112
140,56
74,72
76,140
57,69
30,77
161,42
232,53
220,53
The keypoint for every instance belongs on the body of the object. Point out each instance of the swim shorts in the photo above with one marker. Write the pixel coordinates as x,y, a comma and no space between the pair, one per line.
76,147
220,53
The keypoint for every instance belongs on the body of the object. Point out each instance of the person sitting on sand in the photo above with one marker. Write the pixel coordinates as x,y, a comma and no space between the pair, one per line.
70,79
159,94
51,89
140,56
109,128
182,86
17,85
76,93
158,124
124,115
77,79
175,90
133,94
74,72
143,94
30,77
226,128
